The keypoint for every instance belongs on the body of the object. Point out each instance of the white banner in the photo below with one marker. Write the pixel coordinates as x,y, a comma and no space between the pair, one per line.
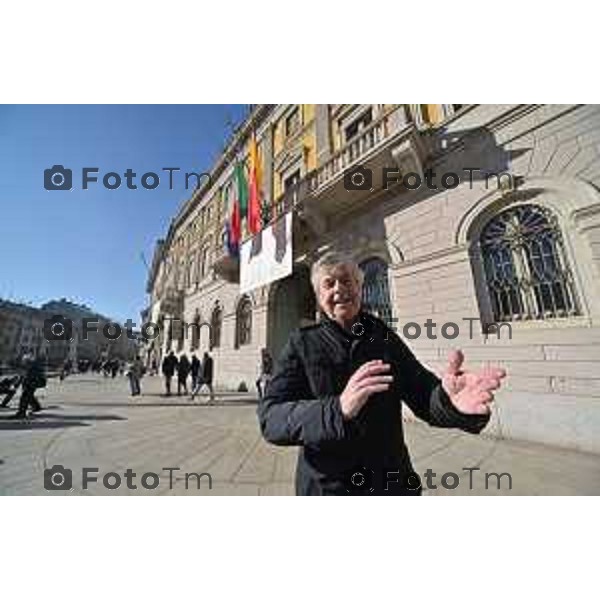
267,257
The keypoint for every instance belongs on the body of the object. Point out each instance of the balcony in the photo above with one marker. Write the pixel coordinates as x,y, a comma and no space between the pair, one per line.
390,141
225,266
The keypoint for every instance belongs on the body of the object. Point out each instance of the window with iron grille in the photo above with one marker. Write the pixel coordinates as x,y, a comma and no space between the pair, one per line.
243,322
376,290
527,273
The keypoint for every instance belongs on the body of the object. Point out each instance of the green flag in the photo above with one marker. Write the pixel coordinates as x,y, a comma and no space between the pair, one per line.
242,189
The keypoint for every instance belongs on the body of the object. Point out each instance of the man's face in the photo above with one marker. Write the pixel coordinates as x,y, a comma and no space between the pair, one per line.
339,294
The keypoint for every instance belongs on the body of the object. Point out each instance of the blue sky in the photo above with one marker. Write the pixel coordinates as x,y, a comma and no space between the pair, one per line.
86,245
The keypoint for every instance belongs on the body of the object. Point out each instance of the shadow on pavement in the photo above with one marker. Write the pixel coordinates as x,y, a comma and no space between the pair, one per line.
174,404
45,420
5,424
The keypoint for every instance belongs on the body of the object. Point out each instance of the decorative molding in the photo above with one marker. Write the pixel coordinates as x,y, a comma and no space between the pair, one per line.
434,260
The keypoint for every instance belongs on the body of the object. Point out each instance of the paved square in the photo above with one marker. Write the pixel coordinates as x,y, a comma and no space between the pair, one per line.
91,421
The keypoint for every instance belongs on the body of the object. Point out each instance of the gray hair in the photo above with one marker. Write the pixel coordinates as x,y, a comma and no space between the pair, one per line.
328,262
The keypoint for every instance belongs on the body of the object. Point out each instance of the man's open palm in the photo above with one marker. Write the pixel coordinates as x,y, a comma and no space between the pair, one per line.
469,391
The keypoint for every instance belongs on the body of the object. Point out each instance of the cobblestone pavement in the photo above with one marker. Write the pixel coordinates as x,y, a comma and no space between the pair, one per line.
90,421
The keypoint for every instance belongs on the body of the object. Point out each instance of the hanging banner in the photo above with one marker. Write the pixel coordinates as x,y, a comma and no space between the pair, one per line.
267,257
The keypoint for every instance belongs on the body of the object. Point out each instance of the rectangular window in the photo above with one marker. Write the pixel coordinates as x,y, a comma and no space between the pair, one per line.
292,180
292,122
356,126
204,262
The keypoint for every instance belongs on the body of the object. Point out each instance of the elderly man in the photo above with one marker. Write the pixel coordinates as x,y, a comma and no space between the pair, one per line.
337,393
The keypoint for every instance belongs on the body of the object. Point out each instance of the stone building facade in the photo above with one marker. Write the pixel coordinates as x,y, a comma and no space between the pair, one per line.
505,261
22,332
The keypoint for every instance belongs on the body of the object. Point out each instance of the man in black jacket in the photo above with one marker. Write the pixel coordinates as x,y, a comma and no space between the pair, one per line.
33,379
169,366
337,393
206,378
183,370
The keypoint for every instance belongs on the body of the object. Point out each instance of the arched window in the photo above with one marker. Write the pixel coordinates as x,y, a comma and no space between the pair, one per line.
376,290
525,265
243,322
216,320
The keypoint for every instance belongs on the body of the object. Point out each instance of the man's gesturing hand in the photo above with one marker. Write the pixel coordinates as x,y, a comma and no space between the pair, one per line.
470,392
368,379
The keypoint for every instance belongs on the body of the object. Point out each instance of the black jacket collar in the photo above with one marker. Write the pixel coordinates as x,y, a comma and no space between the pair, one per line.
363,327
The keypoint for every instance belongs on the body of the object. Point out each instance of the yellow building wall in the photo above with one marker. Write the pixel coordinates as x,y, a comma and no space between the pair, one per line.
277,186
308,113
310,149
432,113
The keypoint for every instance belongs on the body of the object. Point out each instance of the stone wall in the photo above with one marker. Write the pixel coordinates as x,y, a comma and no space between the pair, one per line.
552,393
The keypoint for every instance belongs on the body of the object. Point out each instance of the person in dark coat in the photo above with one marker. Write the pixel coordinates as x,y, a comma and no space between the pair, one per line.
9,387
195,370
183,370
338,389
33,379
265,371
206,378
169,366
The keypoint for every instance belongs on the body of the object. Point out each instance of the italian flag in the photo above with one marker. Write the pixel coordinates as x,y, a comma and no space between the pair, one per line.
238,207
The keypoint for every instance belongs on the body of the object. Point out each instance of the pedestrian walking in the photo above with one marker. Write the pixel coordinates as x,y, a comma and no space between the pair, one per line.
66,369
169,367
183,370
135,372
265,372
206,377
196,365
33,379
9,387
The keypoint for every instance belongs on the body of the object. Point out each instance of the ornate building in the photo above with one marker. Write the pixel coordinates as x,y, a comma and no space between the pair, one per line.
469,255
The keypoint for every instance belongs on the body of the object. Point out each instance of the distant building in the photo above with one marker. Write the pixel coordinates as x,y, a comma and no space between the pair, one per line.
22,331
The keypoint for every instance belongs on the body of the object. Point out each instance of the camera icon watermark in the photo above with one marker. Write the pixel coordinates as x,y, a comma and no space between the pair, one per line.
57,478
58,178
359,480
58,328
358,178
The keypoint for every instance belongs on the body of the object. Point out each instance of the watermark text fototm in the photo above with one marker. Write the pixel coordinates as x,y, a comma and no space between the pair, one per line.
59,178
364,480
361,178
59,328
448,330
59,478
